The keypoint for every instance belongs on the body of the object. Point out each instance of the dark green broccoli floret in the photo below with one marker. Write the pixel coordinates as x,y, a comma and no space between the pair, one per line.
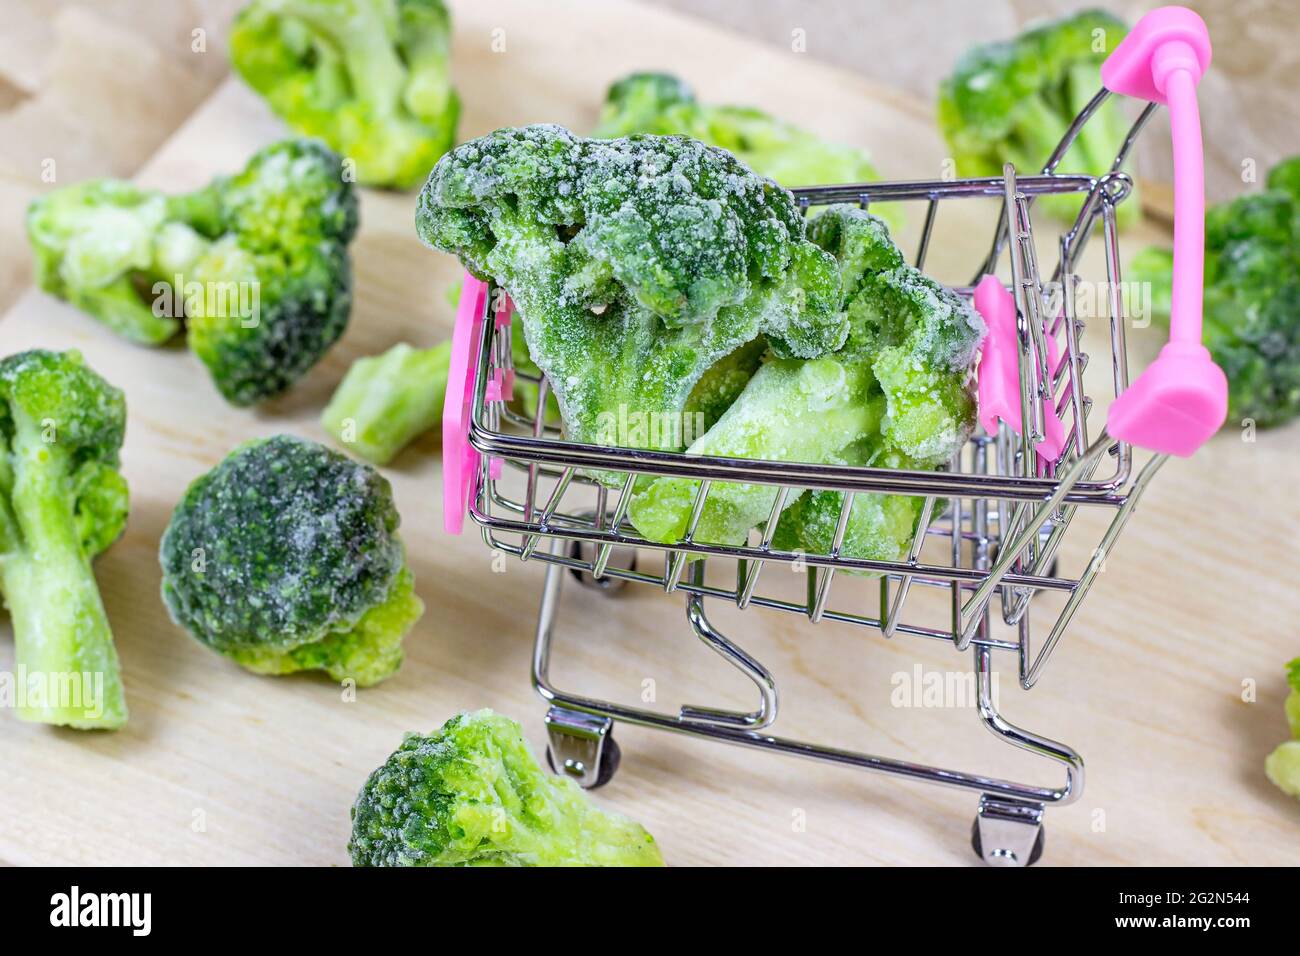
635,263
1252,296
62,501
255,263
286,557
385,401
1013,101
896,395
472,794
369,77
662,104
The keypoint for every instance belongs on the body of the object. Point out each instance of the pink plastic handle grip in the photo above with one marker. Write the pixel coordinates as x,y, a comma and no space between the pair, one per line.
460,459
1181,399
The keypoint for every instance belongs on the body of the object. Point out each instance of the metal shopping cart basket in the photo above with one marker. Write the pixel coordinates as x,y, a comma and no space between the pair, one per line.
1000,510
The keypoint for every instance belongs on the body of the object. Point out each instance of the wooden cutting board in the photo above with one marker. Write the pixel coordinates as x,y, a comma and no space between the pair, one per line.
218,766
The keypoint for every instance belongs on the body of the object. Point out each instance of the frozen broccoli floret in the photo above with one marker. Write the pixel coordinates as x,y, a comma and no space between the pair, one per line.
1283,764
62,502
286,557
386,401
369,77
1251,310
636,265
1014,100
662,104
897,394
472,794
255,263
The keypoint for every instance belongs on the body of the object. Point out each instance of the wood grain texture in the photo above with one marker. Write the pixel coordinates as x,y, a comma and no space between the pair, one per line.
1147,685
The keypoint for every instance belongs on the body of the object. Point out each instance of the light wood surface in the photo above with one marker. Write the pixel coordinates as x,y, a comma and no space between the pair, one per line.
218,766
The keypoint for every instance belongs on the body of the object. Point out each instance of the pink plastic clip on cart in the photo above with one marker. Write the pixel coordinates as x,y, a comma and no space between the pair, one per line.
985,573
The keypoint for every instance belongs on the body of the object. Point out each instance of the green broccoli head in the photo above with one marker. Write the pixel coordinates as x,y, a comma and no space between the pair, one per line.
635,263
472,794
1014,100
256,263
286,557
369,77
62,501
1283,765
897,394
662,104
385,401
1252,297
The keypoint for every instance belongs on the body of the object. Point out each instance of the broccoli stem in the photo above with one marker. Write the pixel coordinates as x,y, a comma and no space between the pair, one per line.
61,632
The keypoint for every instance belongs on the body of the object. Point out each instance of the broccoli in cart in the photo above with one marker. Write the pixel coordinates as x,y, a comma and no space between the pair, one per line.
62,501
473,794
636,265
369,77
256,264
1013,101
897,395
1252,296
285,557
386,401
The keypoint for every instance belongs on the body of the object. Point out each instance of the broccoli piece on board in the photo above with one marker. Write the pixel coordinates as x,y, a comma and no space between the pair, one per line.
472,794
369,77
1251,321
256,264
386,401
897,394
662,104
1283,764
636,265
286,557
62,501
1013,101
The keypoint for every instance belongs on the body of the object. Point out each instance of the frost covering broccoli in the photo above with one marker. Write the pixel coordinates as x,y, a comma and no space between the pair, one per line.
636,265
1252,296
62,501
255,263
1283,764
1013,101
897,395
661,103
285,557
369,77
472,794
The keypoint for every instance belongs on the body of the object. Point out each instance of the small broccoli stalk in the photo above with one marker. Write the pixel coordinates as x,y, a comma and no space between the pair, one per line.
1283,765
256,264
896,395
285,557
1252,297
720,386
62,501
1014,100
386,401
473,794
636,264
369,77
662,104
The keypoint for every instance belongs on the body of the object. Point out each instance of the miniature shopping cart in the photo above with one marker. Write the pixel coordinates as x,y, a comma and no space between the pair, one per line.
995,517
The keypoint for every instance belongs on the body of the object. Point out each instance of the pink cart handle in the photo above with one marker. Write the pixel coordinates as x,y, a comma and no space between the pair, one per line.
460,460
1181,399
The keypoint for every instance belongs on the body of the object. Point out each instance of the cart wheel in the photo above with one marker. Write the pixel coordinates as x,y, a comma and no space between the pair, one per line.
619,557
610,757
1006,857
